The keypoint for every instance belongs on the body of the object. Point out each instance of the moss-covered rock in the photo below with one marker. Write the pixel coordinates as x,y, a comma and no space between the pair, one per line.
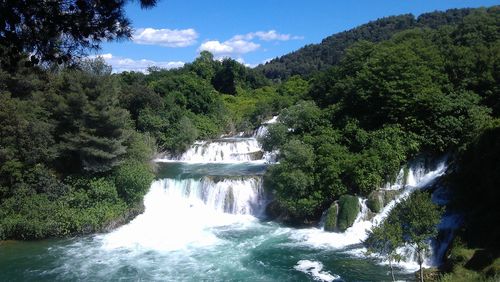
273,210
256,155
375,201
378,199
331,218
390,195
348,211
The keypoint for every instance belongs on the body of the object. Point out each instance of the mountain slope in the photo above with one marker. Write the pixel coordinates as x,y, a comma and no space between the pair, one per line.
317,57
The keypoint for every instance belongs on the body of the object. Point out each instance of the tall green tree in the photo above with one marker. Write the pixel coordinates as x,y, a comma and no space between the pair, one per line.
413,222
385,240
59,30
419,219
92,127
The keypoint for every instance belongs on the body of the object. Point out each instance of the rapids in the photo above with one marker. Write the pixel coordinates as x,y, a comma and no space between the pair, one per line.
203,221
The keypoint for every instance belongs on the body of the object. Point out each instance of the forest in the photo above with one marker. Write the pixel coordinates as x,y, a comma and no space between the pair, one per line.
76,140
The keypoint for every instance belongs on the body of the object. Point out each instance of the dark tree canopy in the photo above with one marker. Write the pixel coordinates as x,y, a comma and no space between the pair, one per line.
59,30
319,57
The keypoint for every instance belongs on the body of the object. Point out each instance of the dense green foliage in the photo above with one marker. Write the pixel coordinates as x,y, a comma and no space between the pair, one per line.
58,31
382,104
66,151
75,142
411,223
179,106
475,185
475,252
322,56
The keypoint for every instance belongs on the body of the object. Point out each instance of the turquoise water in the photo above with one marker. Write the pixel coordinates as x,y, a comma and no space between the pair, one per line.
181,238
258,252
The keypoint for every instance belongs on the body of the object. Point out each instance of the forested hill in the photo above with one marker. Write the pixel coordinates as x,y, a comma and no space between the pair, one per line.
314,57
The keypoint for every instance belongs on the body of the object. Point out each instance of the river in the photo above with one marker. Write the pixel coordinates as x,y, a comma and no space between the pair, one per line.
204,221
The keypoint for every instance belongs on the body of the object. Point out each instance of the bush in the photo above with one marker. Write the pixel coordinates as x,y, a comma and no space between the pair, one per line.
132,180
348,211
275,137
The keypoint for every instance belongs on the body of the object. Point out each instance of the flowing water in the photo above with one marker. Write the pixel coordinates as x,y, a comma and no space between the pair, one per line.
204,221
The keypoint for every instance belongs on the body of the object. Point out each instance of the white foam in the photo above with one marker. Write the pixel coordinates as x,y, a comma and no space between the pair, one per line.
274,119
179,213
263,129
314,268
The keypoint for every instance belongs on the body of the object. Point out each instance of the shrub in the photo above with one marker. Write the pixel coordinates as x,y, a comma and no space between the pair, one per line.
132,180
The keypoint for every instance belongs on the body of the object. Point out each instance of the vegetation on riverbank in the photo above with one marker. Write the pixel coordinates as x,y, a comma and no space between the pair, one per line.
422,90
429,91
75,139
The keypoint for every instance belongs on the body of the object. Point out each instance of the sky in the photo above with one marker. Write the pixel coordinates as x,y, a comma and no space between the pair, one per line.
250,31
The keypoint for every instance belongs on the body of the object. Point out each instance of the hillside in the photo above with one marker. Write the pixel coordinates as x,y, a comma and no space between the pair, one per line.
317,57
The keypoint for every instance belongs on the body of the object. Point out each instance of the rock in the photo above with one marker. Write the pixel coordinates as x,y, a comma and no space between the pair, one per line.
378,199
375,201
348,211
258,155
229,201
130,214
390,195
331,217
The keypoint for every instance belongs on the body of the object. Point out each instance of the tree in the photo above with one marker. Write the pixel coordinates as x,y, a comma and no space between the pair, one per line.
204,65
293,181
93,129
58,30
225,79
412,223
419,219
385,240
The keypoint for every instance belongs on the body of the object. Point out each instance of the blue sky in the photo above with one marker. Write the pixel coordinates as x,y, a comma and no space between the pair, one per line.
250,31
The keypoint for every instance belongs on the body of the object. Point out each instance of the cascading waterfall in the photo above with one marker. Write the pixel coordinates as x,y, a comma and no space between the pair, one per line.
241,195
201,223
178,212
194,205
224,150
235,149
417,177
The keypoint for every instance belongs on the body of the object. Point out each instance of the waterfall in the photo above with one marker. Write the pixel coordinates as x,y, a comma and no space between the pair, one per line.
182,212
234,149
417,177
238,195
262,130
179,213
224,150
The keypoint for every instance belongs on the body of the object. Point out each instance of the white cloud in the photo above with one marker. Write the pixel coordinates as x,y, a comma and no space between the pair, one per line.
121,64
243,43
270,35
229,47
165,37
